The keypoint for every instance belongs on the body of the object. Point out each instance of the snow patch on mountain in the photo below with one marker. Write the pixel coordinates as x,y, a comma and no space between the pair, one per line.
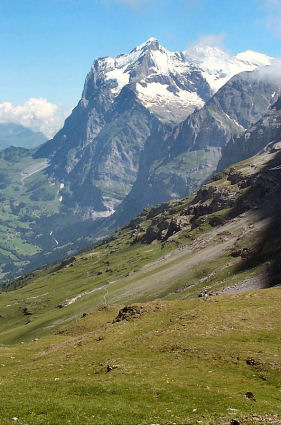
158,97
120,76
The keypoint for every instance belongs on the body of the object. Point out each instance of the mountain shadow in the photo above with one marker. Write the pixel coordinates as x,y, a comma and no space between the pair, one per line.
263,198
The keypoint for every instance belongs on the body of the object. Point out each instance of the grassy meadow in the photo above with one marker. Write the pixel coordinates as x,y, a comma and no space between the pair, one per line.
168,362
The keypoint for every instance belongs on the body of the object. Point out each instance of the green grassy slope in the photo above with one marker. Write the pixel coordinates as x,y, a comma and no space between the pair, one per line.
180,362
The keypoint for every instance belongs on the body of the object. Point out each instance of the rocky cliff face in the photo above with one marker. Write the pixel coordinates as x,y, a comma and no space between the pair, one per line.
108,166
255,139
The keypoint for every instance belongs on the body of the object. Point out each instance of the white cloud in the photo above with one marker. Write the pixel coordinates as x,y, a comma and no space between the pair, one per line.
272,72
209,51
213,40
36,113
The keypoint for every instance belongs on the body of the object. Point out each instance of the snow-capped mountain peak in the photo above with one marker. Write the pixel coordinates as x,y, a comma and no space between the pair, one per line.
172,84
253,58
152,42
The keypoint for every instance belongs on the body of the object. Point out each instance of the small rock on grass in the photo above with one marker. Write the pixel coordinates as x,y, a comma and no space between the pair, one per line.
109,368
250,396
252,362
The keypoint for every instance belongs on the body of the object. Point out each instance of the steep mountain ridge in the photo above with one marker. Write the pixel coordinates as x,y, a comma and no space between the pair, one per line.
162,85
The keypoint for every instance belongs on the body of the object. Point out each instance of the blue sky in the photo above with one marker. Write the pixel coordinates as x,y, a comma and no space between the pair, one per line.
48,46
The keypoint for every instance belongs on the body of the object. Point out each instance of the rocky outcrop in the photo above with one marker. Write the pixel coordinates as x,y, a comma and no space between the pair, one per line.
219,200
160,229
129,312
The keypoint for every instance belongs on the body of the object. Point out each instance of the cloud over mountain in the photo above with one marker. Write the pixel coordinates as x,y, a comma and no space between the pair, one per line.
36,113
